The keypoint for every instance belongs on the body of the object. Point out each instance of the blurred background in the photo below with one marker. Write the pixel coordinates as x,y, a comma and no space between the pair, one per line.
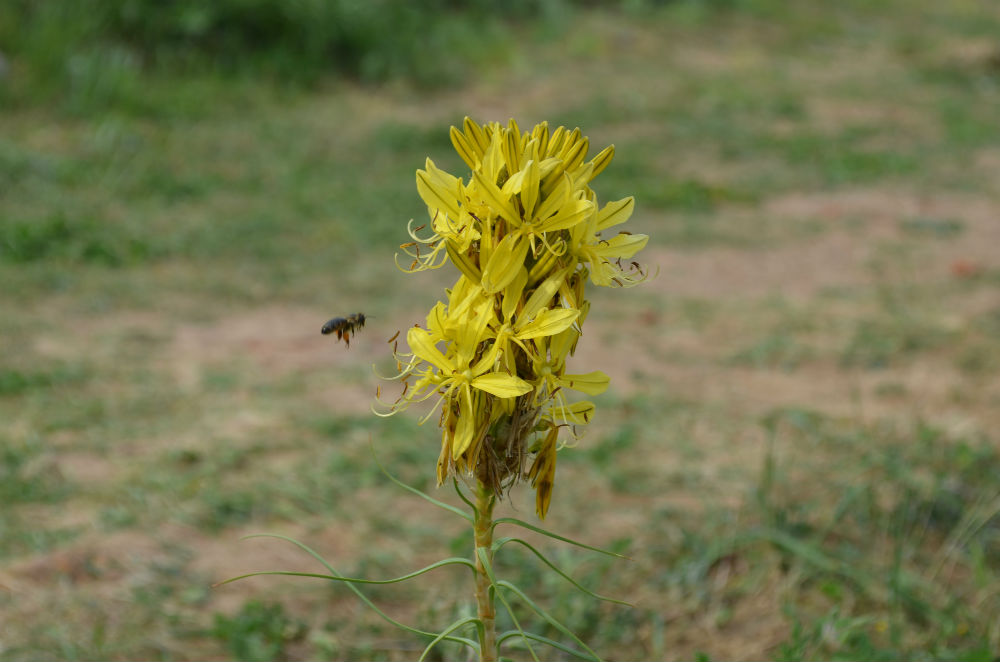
799,448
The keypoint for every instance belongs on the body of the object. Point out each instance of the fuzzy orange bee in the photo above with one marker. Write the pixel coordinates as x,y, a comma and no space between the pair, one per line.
344,326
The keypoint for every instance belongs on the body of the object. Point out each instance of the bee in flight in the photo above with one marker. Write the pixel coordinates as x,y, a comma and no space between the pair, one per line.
344,326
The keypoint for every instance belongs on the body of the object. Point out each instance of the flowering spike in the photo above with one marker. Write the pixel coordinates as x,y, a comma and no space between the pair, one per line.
524,234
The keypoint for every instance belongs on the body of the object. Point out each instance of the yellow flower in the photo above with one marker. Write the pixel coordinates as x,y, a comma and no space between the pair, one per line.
524,321
524,230
590,248
455,375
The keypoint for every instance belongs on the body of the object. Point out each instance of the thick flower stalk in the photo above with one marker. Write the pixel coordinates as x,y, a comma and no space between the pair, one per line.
526,234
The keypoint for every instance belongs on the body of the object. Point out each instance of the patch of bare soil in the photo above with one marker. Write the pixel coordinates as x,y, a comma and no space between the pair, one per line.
832,114
684,363
881,212
798,271
277,342
110,567
856,222
85,467
106,559
753,627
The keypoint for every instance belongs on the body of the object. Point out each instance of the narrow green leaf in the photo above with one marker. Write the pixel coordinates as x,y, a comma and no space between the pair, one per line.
545,640
355,580
544,614
532,527
497,544
357,591
462,496
451,628
464,515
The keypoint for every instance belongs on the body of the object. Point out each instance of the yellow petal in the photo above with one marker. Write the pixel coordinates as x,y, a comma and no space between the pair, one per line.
547,166
472,329
465,428
512,148
512,186
476,134
488,360
543,294
501,385
437,320
505,263
543,267
602,271
578,413
422,344
562,343
434,194
530,151
463,299
622,245
541,133
554,200
446,180
493,160
512,293
556,141
529,188
592,383
548,322
615,213
602,160
571,213
581,176
465,148
500,203
462,261
575,151
570,139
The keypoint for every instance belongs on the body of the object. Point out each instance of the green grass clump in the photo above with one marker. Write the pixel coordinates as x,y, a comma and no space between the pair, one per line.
94,55
258,632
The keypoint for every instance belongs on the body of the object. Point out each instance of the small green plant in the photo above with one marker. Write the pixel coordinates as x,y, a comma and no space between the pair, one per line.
526,234
259,632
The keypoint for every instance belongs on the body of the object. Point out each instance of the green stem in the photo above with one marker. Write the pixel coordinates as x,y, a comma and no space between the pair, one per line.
485,499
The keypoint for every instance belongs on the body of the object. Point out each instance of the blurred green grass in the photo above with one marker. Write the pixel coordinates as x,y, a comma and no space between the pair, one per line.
801,465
